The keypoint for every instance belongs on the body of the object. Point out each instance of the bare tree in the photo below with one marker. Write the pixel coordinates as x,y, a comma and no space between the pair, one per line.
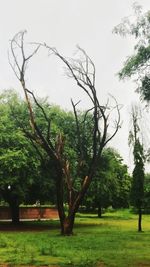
83,72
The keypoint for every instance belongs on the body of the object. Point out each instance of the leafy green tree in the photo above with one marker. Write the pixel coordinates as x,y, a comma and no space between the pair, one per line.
24,169
18,163
121,180
112,184
137,64
137,189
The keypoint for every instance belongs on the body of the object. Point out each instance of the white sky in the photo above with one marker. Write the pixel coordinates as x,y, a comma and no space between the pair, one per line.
64,24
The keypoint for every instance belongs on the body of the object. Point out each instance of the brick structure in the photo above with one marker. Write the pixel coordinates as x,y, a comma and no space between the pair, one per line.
30,213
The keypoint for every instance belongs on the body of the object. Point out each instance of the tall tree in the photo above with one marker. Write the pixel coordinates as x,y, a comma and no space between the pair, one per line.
83,72
137,189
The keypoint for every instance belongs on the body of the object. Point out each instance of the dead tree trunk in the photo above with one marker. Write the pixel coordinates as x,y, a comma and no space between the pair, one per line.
68,225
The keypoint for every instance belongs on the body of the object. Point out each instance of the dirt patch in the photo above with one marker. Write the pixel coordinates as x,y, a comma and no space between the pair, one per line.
100,264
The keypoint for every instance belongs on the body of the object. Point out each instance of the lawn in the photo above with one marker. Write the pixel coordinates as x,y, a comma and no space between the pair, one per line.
110,241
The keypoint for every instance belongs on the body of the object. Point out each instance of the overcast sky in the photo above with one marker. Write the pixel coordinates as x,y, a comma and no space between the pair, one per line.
65,24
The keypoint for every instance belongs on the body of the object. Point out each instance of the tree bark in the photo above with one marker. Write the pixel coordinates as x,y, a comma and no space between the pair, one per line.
68,224
14,207
140,220
99,211
60,195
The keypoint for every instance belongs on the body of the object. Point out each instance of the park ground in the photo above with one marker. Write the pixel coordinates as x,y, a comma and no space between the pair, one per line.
112,241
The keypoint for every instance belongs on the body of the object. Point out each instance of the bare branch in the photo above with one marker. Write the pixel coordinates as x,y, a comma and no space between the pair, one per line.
19,67
78,129
117,122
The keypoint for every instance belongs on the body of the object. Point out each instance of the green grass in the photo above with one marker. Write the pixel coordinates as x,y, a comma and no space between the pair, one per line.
111,241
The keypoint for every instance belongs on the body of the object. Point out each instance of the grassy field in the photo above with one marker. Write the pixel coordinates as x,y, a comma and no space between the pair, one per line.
110,241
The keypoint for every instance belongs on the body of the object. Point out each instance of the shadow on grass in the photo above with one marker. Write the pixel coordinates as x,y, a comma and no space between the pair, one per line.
111,216
30,226
46,226
81,221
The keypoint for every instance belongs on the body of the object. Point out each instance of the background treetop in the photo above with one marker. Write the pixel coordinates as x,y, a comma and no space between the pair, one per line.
137,64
